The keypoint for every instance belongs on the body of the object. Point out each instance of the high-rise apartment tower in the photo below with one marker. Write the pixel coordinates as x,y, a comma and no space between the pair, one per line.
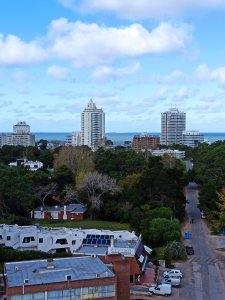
92,125
173,123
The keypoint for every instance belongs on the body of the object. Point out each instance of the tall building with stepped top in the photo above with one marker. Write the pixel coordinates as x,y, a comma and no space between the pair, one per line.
173,123
21,136
92,125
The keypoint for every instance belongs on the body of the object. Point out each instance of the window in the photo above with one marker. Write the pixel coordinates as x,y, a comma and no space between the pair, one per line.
8,238
28,239
74,242
35,296
64,294
98,292
68,277
40,240
131,279
61,241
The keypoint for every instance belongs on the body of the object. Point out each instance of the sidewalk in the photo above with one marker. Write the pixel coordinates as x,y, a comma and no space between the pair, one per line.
148,278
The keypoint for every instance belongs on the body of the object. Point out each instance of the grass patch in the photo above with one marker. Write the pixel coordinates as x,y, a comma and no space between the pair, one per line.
85,224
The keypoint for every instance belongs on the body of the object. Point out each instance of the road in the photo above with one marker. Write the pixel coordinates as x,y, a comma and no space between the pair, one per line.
204,272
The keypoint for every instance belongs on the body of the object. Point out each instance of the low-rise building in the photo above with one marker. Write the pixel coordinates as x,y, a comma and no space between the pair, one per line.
192,138
28,164
175,153
57,212
73,139
106,244
145,142
60,278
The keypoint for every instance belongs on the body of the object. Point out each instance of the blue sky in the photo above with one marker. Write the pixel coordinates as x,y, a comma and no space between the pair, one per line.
135,59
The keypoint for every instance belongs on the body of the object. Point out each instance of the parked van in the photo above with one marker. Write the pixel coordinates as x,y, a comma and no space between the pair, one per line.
161,289
173,280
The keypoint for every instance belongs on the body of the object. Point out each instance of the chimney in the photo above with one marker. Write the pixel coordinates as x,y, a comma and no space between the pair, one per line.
50,263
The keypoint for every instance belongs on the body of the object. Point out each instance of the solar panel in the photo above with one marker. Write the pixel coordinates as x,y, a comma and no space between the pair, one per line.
93,242
108,242
88,236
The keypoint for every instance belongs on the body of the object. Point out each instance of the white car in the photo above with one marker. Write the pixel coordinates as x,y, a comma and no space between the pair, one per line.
173,272
161,289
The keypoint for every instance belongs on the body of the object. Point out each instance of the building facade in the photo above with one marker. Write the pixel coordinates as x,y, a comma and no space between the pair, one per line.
21,136
92,125
192,138
67,212
174,153
108,245
60,278
73,139
145,142
173,123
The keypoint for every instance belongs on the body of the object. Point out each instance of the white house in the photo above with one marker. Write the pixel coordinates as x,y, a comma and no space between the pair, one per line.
28,164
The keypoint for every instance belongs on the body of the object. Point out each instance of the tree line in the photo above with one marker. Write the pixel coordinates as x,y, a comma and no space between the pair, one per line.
116,184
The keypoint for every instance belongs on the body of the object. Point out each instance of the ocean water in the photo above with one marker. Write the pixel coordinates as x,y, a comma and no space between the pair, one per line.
118,138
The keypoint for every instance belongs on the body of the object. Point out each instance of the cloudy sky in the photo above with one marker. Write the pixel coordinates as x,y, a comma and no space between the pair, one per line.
135,59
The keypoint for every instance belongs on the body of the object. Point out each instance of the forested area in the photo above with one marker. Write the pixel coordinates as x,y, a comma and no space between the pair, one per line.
209,173
116,185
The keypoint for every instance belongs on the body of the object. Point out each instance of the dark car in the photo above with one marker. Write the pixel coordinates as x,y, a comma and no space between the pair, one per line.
189,250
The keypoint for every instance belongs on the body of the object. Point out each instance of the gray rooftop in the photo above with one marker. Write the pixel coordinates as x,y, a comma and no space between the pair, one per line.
38,272
100,250
76,208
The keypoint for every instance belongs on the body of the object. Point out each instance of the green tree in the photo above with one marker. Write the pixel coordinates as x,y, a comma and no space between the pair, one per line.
15,190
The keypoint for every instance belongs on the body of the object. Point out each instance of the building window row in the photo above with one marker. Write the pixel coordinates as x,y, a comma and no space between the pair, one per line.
93,292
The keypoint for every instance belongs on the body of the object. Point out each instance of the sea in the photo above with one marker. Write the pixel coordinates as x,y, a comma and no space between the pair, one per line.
118,138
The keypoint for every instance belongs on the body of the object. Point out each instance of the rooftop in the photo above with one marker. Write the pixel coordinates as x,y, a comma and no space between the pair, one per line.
57,270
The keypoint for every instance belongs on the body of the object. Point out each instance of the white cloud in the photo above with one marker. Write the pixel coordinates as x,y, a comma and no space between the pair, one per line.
219,75
15,51
91,44
174,77
203,73
58,72
104,72
87,45
131,9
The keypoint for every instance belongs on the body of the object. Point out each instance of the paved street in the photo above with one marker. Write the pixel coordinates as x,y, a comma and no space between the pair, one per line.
204,273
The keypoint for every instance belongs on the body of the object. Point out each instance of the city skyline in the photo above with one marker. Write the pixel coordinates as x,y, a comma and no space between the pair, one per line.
134,59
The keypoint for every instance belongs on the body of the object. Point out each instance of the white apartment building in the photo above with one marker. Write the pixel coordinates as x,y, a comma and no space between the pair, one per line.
173,123
92,125
192,138
77,241
73,139
21,136
174,153
21,128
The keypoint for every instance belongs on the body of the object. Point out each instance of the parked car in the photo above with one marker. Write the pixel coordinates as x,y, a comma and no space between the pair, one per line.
189,250
161,289
172,272
203,216
173,281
